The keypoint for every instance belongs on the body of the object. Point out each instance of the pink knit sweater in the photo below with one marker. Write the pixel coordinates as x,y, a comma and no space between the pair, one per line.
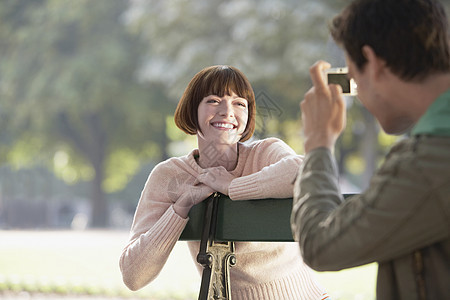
265,169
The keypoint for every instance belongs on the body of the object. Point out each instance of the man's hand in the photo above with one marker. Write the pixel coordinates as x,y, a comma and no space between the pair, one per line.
218,178
323,110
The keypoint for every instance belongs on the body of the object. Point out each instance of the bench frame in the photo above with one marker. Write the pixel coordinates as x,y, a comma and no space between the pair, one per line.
218,222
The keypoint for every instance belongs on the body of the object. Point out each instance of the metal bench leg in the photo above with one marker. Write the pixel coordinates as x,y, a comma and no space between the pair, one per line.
215,257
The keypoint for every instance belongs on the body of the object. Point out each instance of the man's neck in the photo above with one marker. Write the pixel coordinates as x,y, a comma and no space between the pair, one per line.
434,86
418,97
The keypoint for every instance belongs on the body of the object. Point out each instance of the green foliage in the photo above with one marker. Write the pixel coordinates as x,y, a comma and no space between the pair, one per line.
127,162
273,43
70,70
69,85
88,88
70,167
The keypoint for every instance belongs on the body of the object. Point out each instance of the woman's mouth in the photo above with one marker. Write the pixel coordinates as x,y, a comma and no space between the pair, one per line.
223,125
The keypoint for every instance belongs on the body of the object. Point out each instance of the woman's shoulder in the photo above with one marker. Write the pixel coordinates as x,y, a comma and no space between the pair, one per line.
267,143
172,165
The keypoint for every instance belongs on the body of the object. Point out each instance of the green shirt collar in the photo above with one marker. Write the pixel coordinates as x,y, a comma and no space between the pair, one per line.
436,120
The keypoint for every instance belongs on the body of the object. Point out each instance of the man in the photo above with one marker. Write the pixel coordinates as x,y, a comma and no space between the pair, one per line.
398,54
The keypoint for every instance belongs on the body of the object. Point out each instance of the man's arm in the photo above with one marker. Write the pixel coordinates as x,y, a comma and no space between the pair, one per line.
396,215
391,218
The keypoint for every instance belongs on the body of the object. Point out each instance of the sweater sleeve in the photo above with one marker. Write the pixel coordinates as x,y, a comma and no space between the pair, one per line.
155,230
274,168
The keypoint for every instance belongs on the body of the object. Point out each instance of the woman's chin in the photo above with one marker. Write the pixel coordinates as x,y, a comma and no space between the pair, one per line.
221,137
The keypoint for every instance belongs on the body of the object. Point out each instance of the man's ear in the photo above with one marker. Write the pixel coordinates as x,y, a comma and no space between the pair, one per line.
375,65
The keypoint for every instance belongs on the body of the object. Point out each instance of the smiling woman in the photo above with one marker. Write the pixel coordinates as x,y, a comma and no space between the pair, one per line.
219,115
218,106
219,81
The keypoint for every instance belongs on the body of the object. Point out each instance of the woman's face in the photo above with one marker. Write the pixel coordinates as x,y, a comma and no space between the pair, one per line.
222,120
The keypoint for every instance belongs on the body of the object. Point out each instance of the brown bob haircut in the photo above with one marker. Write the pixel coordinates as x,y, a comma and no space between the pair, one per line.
215,80
411,36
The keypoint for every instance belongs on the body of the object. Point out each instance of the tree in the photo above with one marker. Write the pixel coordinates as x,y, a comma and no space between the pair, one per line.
89,87
272,42
72,96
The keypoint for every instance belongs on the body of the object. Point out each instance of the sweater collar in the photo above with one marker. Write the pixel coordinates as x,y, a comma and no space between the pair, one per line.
191,157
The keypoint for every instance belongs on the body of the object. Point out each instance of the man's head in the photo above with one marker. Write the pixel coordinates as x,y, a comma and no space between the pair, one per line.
411,36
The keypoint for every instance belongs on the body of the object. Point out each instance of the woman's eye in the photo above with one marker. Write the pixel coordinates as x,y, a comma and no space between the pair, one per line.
242,104
212,101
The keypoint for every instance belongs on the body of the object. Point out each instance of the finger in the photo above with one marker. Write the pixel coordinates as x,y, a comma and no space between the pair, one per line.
303,105
336,94
200,178
336,91
216,169
338,98
307,94
316,74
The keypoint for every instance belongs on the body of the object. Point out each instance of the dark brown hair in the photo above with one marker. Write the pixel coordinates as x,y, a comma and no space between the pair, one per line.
411,36
215,80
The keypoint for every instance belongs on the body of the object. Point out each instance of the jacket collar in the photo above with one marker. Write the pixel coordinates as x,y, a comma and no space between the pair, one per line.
436,120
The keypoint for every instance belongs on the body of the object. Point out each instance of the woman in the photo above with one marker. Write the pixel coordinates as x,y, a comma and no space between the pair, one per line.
218,106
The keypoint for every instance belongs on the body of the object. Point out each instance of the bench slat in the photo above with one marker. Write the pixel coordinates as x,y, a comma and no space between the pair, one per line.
252,220
245,221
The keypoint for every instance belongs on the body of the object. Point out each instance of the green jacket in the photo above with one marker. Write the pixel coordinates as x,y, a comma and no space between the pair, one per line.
402,220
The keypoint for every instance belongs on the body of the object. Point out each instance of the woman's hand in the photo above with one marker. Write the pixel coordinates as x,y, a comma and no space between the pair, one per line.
323,111
217,178
194,195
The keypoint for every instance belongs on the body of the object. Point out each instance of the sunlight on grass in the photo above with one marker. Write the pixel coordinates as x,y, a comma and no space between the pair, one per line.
356,283
86,262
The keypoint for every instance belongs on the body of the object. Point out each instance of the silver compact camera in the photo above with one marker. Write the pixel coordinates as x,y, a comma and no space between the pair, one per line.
340,76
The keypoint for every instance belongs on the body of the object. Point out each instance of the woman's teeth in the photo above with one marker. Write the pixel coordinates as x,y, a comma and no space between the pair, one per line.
223,125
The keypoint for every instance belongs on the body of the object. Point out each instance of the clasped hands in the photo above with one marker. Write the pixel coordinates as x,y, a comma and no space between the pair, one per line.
217,178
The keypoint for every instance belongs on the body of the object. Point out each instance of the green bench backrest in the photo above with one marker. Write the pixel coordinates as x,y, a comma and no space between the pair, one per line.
249,221
253,220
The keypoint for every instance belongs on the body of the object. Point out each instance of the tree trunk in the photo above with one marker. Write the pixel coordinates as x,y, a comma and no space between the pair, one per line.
100,211
369,148
92,146
164,141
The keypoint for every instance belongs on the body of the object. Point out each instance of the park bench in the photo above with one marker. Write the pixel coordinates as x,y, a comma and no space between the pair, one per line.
218,222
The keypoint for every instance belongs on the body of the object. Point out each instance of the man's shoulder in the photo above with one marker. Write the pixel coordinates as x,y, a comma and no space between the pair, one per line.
419,145
428,156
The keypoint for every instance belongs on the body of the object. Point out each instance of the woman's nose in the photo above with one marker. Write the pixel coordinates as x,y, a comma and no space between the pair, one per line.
226,110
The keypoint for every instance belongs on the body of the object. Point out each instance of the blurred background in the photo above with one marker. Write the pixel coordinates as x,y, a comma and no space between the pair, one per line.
87,95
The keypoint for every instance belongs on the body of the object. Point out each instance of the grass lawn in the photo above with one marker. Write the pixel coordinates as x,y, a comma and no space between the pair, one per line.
87,262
